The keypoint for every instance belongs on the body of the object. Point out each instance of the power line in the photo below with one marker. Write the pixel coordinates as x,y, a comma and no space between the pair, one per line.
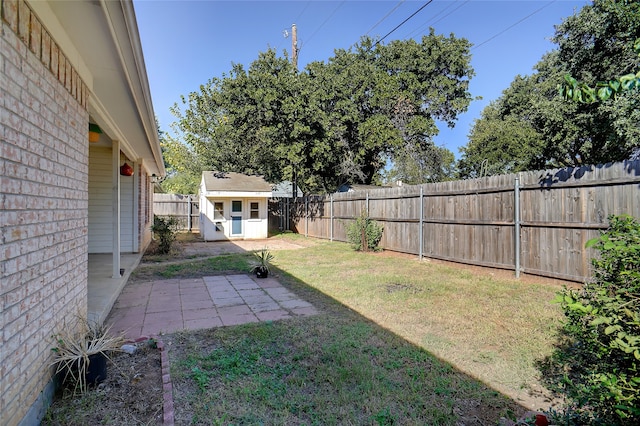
385,16
431,21
325,21
513,25
467,1
301,13
285,31
404,22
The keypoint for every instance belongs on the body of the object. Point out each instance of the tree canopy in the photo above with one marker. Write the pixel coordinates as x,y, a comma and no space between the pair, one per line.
603,90
335,122
536,128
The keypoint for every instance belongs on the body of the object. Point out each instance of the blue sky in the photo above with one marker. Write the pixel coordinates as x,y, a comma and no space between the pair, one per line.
186,43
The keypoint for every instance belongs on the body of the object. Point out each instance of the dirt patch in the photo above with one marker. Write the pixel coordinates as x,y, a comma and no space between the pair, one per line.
131,394
191,246
396,287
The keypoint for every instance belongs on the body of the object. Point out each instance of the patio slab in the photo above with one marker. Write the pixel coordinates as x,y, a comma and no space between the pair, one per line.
166,306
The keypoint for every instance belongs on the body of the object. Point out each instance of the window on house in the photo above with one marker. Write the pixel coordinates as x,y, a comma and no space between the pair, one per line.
218,211
254,212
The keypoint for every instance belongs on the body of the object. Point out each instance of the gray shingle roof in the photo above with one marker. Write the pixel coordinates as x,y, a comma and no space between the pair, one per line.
219,181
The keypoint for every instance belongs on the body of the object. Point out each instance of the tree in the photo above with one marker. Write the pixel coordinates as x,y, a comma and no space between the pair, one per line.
504,139
413,167
335,122
182,165
241,122
595,44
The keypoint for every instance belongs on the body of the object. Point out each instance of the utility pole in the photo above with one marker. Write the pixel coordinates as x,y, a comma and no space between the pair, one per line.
294,60
294,46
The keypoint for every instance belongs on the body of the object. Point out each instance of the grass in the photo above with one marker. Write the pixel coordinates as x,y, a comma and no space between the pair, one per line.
492,328
398,341
228,263
322,370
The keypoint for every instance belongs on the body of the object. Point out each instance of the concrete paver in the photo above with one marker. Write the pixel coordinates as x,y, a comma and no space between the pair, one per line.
166,306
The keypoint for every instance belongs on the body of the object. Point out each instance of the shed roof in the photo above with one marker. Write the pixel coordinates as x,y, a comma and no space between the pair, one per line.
234,182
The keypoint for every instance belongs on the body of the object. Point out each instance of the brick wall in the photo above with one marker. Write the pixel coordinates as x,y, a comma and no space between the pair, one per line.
43,204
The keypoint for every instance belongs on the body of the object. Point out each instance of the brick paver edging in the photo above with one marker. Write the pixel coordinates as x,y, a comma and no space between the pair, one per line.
167,387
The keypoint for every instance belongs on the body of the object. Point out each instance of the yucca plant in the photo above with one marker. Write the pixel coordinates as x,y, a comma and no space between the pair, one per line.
78,345
261,268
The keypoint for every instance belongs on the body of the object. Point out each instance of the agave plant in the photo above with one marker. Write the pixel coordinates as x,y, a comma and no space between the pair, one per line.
261,267
78,345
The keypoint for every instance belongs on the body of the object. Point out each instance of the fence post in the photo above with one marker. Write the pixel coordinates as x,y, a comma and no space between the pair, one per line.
516,221
367,205
420,235
306,214
189,212
331,220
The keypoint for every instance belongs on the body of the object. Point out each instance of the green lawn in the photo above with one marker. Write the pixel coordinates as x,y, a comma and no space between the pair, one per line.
494,328
397,341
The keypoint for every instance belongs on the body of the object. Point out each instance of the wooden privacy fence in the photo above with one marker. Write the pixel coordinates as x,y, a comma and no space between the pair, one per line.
531,222
183,207
279,214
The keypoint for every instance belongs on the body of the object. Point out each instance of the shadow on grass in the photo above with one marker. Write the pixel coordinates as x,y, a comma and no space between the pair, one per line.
336,367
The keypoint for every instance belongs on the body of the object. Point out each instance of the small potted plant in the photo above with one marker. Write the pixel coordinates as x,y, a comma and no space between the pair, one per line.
81,353
261,268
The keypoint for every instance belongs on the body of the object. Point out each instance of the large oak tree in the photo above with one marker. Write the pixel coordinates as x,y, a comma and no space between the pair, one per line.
335,122
537,128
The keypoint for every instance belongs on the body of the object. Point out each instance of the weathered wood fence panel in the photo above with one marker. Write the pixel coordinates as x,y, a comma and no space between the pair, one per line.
279,214
183,207
533,222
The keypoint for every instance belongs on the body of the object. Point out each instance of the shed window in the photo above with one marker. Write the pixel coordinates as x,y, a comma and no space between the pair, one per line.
254,211
218,211
236,206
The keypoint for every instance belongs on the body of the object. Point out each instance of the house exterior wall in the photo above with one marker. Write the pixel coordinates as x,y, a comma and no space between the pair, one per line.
134,199
43,206
126,210
145,207
215,229
100,200
100,219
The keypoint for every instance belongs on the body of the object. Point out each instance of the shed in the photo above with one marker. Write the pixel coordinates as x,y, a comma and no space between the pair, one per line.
233,206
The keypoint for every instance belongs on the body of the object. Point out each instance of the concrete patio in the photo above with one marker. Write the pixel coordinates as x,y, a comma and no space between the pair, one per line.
102,289
166,306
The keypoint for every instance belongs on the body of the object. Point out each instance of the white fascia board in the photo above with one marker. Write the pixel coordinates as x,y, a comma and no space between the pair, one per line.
132,59
237,194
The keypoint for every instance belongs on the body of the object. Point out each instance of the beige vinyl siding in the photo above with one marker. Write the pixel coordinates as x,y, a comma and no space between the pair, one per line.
126,210
100,223
100,200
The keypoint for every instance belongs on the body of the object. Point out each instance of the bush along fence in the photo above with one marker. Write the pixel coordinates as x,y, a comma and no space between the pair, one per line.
183,209
532,222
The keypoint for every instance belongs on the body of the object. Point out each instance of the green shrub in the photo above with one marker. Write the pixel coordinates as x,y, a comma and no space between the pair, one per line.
364,234
165,230
597,364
